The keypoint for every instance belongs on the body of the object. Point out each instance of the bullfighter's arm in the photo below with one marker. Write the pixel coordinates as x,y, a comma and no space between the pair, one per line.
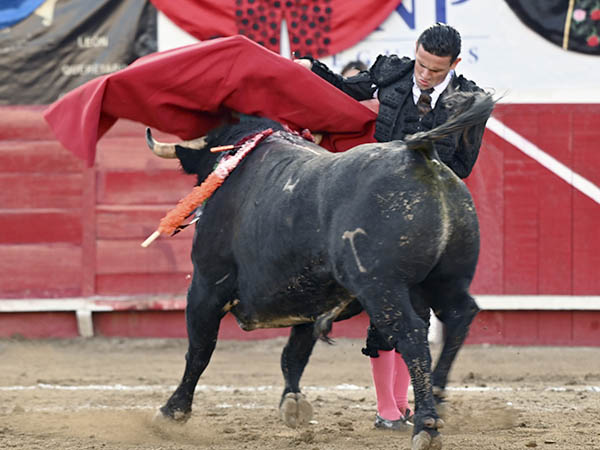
359,87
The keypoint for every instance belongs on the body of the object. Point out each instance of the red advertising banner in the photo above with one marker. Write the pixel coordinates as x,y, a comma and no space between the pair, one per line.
316,28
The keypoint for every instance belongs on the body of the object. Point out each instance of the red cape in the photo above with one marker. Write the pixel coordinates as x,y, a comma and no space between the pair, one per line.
190,90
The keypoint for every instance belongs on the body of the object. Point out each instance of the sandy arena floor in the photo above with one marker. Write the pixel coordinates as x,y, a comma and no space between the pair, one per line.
102,394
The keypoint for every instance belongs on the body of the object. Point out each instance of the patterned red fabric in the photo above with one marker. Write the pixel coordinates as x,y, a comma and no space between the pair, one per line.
315,27
190,90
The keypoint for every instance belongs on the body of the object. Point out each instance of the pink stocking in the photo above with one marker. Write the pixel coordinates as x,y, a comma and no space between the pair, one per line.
383,368
401,383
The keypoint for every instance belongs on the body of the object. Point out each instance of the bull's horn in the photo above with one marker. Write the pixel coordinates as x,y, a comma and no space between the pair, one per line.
165,150
158,148
196,144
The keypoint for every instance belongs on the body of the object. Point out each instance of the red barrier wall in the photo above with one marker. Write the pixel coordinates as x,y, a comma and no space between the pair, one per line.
71,231
539,233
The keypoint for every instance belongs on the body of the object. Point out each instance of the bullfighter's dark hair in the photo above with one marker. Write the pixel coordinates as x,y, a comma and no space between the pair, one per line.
441,40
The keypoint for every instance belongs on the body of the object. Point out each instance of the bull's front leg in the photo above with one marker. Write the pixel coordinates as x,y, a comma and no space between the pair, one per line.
202,327
294,408
179,405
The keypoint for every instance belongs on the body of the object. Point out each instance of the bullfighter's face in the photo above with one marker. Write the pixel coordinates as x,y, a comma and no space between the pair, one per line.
430,69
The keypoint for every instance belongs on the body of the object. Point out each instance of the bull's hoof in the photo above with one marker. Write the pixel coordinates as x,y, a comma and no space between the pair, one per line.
295,410
165,416
430,422
424,441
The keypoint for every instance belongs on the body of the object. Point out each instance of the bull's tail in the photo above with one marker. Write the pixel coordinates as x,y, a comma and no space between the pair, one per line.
468,108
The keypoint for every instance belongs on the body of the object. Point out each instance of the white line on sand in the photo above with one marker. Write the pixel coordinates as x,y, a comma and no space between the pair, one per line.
228,388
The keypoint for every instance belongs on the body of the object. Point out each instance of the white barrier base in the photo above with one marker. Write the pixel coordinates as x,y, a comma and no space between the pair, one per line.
84,307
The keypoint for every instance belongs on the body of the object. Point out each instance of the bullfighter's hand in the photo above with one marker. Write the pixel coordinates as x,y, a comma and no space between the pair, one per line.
304,63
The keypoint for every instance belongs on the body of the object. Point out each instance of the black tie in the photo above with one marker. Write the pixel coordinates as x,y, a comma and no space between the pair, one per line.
424,102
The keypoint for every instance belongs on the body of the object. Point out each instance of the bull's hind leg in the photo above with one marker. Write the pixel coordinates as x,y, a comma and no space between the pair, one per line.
202,326
294,408
456,311
450,301
390,310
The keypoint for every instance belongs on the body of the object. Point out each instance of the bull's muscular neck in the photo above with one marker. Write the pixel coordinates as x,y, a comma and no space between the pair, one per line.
202,162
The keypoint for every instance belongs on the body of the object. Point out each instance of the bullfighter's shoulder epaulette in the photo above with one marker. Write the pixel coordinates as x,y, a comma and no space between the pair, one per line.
388,69
465,84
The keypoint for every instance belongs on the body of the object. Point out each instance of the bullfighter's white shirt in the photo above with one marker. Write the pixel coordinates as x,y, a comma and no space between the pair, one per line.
437,90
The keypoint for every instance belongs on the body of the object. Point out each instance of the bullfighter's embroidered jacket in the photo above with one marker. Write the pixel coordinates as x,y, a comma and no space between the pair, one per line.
391,78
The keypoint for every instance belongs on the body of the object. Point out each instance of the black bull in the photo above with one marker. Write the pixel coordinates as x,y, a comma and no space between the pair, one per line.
301,237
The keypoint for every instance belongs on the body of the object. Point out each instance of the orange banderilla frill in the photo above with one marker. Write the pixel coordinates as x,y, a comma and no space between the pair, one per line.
174,218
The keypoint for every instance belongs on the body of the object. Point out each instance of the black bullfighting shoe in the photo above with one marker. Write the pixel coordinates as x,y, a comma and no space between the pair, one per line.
401,424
